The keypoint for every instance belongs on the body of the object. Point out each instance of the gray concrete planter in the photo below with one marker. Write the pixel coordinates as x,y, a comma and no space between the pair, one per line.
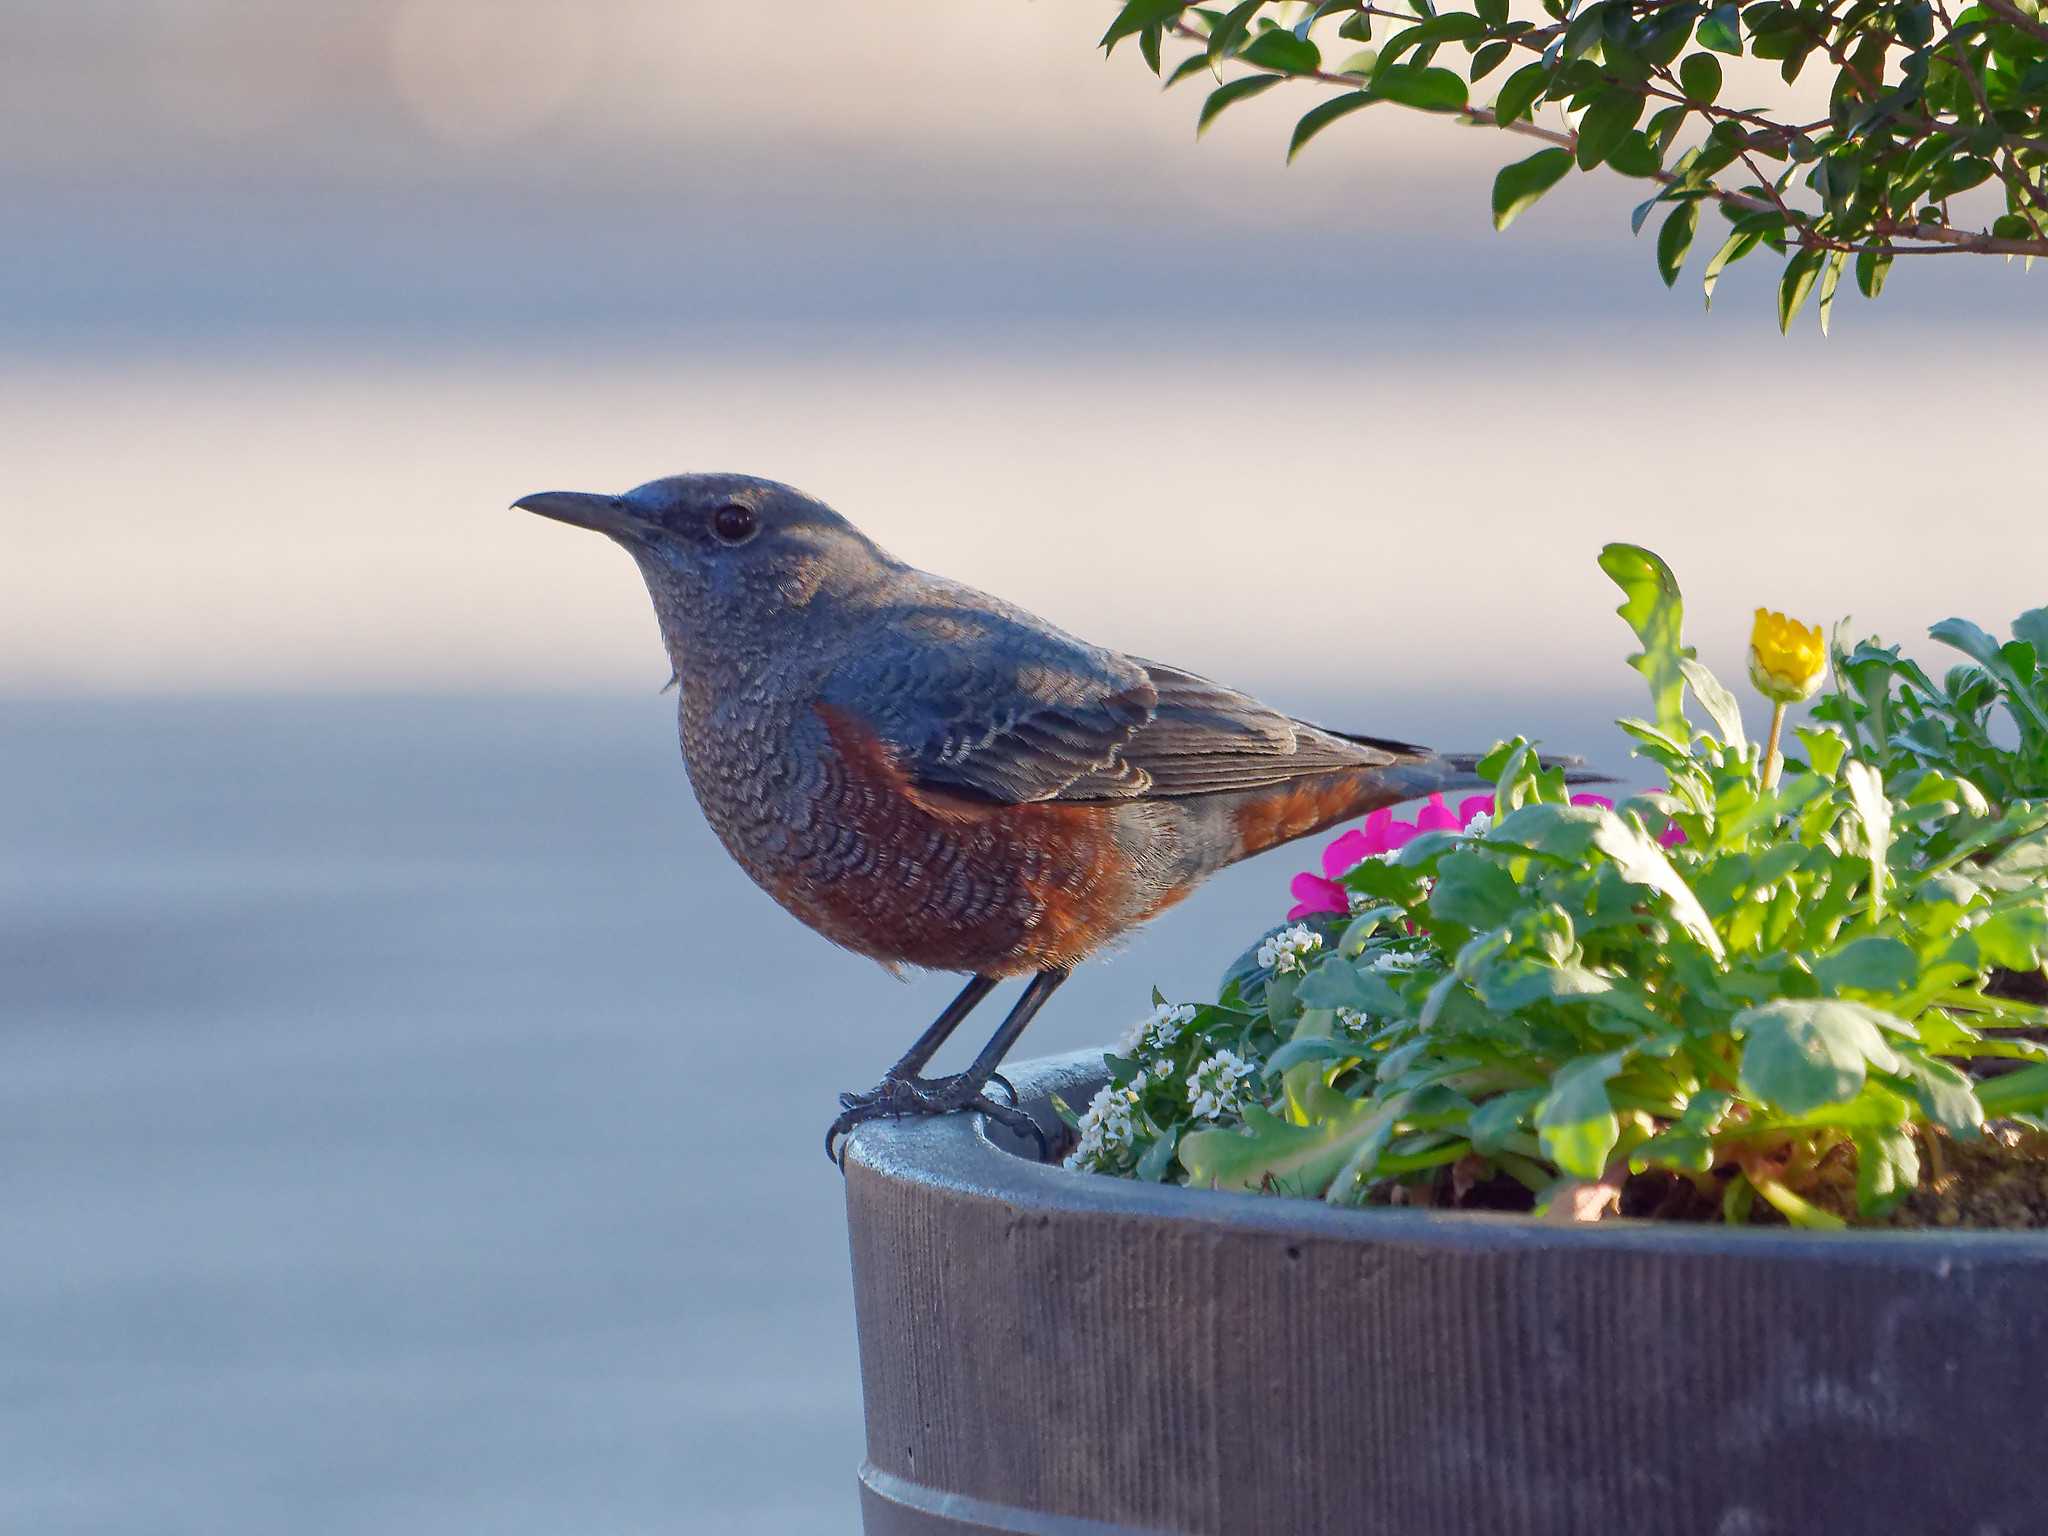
1051,1352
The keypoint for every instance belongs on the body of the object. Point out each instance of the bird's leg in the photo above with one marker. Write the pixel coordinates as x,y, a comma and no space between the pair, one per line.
898,1095
926,1046
922,1049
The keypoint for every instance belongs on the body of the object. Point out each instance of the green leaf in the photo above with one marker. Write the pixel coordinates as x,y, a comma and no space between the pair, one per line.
1473,892
1270,1153
1316,119
2022,863
1825,749
1138,15
1307,23
1521,184
1721,29
1873,963
1229,94
1612,114
1801,1054
2014,937
1500,1117
1280,49
1700,76
1946,1096
1228,33
1887,1169
1739,244
1716,700
2032,627
1340,984
1687,1143
1426,89
1652,608
1575,1121
1158,1158
1980,647
1674,239
1585,29
1872,267
2016,1093
1866,793
1831,275
1570,832
1310,1048
1489,58
1518,93
1796,283
1634,156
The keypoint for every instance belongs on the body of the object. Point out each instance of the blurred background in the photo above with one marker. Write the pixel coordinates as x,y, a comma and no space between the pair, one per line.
409,1120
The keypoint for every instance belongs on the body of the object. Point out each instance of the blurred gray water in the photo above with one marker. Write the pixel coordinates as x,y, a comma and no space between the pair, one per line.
410,1121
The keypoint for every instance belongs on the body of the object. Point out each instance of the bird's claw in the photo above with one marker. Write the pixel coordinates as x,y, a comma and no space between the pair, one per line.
1013,1120
899,1097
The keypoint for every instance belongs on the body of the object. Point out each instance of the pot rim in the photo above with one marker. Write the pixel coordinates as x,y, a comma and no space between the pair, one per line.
957,1153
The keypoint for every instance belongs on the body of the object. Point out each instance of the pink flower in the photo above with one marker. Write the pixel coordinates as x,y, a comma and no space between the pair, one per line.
1380,834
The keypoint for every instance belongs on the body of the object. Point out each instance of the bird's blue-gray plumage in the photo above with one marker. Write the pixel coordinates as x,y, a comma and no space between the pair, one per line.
930,774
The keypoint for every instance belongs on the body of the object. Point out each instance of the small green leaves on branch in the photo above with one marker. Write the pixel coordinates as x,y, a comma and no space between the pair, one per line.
1519,185
1933,139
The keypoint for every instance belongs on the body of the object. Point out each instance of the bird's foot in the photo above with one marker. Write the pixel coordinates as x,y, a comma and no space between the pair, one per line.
900,1097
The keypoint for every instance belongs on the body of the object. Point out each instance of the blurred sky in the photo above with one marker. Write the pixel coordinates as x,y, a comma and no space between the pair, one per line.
297,298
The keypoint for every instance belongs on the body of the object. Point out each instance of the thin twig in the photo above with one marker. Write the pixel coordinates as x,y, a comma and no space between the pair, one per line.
1941,236
2012,15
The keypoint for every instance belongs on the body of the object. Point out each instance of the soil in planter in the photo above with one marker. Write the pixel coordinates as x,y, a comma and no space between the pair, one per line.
1997,1181
2000,1180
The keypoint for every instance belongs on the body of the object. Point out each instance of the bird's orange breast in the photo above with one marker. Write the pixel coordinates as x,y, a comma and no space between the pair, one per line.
925,877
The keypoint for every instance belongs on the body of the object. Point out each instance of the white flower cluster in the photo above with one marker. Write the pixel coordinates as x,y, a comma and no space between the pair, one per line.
1106,1130
1216,1087
1157,1030
1479,825
1392,962
1286,950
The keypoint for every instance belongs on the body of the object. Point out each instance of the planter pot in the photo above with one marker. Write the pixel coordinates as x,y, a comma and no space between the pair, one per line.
1052,1352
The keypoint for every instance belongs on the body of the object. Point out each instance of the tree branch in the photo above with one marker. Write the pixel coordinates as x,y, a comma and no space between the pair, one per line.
1938,239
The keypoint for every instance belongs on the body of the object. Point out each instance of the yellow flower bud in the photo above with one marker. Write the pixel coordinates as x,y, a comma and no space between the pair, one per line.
1787,659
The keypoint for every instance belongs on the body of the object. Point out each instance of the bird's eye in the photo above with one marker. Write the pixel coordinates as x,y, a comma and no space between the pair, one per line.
734,524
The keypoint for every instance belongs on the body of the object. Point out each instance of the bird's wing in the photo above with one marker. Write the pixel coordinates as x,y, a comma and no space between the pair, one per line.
973,696
1204,738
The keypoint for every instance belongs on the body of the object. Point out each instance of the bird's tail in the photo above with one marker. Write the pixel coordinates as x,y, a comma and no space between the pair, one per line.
1433,773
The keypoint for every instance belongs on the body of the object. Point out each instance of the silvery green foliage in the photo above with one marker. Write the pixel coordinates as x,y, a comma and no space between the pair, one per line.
1789,1003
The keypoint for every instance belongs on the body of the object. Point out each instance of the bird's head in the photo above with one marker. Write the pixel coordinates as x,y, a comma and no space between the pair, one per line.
727,556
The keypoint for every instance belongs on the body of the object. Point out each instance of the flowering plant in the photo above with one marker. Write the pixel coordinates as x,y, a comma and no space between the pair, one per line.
1554,1002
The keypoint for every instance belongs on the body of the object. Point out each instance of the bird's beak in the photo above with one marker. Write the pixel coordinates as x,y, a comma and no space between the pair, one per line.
604,514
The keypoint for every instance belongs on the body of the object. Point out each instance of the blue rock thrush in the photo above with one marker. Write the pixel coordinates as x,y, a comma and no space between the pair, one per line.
932,777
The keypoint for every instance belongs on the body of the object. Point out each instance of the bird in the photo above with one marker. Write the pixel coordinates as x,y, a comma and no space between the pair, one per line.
935,778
